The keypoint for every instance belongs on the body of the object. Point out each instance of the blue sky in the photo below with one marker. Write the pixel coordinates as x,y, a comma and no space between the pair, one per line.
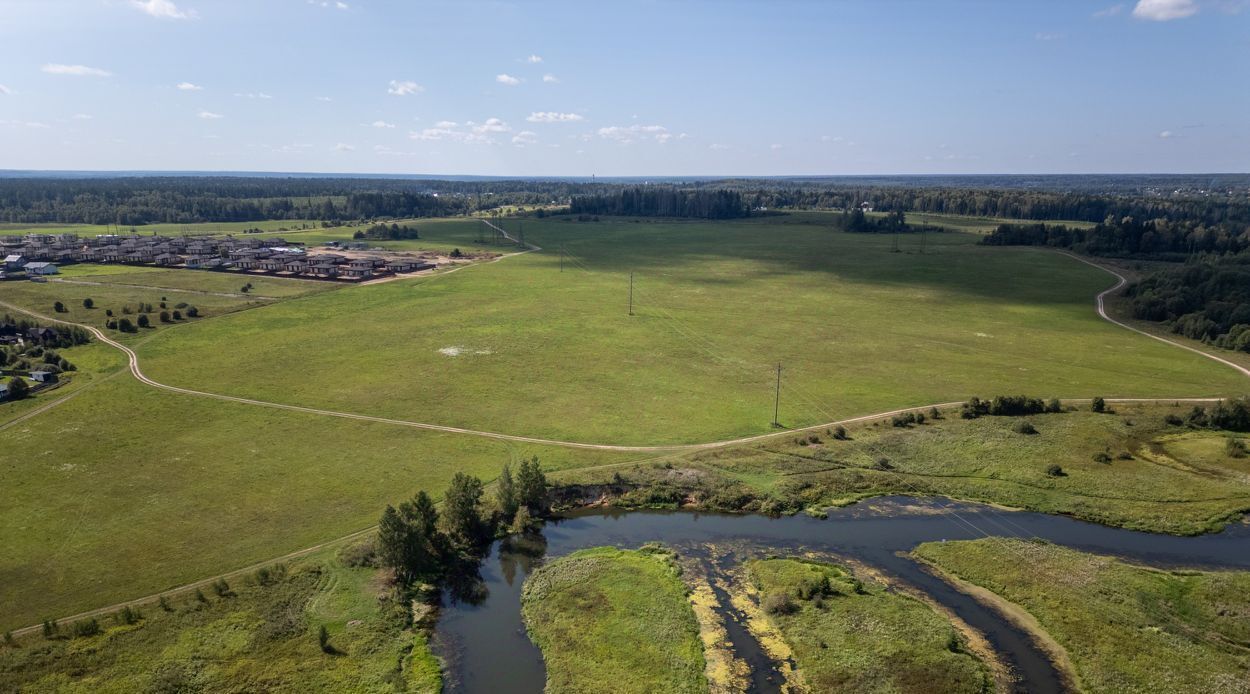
626,88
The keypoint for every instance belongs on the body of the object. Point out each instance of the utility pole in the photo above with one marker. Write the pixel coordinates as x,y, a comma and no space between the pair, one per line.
924,235
561,258
777,398
895,249
631,293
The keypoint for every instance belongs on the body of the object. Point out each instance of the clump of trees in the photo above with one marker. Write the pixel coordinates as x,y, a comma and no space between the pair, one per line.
663,201
1130,236
1228,415
423,545
1008,406
1207,300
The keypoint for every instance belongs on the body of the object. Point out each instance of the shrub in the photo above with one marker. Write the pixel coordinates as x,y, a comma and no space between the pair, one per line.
779,603
1053,405
177,315
180,304
143,321
193,312
1055,471
1124,455
1173,421
1024,427
163,602
1098,405
221,588
323,640
1102,457
164,316
86,627
935,413
162,304
58,307
88,303
200,597
108,312
127,615
1235,448
883,464
50,629
839,433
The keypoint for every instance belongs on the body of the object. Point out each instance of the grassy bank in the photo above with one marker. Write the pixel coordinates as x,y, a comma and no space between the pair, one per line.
849,635
254,637
1125,628
619,620
1129,468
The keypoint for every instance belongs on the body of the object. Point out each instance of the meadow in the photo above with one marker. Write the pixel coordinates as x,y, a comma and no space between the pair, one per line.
1187,629
852,635
717,306
612,619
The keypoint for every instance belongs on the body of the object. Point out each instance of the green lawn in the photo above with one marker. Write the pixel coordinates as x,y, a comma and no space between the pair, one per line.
614,620
260,638
190,281
554,354
1125,628
852,636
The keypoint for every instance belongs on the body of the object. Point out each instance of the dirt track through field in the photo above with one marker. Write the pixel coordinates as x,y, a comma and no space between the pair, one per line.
137,372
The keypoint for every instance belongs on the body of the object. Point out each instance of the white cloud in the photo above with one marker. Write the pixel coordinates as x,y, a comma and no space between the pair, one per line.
717,145
446,124
550,78
492,125
1166,134
775,147
5,90
188,87
253,95
164,9
552,117
1164,10
82,116
341,5
507,79
1109,11
324,98
75,70
831,138
525,137
534,59
627,134
209,115
1043,36
381,124
404,88
340,147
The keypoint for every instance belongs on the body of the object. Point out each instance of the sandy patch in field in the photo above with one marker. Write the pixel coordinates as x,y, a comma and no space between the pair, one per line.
456,351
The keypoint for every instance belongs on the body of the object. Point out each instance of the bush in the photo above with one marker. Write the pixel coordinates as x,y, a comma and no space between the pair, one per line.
127,616
883,464
143,321
1053,405
1055,471
1173,421
1235,448
1098,405
1027,428
221,588
839,433
164,316
86,627
193,312
88,303
58,307
108,312
779,603
177,315
935,413
1102,457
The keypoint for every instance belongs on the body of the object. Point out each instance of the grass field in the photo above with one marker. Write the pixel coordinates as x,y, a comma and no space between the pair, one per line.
859,637
189,281
1125,628
1155,477
258,638
554,354
614,620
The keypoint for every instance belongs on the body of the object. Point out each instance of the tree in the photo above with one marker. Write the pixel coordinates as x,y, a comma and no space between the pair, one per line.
58,307
143,320
505,494
462,516
522,521
193,312
532,486
164,316
1098,405
88,303
18,388
323,640
409,540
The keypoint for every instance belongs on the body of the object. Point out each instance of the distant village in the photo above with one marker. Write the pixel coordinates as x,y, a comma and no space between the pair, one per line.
35,256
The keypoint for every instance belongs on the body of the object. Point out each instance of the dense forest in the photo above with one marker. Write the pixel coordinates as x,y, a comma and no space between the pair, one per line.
137,200
1208,300
663,201
1160,239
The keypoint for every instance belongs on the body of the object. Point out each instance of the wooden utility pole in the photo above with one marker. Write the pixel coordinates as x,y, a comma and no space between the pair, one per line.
631,293
777,398
561,258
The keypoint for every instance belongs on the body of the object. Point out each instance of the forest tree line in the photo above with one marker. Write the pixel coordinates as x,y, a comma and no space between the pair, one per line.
1160,239
1207,299
663,201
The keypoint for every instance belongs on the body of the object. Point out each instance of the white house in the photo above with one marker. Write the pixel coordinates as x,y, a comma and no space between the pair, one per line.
14,262
4,391
40,269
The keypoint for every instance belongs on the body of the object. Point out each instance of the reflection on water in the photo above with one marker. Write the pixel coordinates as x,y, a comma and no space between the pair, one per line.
482,636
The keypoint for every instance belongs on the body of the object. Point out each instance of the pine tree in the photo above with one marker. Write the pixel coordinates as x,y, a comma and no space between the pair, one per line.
532,486
462,517
505,494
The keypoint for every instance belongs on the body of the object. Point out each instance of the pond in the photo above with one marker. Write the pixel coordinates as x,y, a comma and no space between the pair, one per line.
484,642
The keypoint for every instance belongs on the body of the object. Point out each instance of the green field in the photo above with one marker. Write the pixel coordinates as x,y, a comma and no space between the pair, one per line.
1154,476
256,638
554,354
1125,628
855,636
618,620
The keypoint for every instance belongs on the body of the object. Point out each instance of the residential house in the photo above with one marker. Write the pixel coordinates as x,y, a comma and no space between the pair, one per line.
40,269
